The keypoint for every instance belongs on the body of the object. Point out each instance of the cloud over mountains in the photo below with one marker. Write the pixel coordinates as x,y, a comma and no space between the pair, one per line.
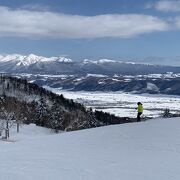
43,24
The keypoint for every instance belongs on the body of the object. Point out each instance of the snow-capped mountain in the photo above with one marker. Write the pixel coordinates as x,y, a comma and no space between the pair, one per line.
101,61
33,64
61,65
31,59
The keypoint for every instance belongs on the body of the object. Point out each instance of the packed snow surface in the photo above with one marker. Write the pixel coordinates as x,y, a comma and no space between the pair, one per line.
139,151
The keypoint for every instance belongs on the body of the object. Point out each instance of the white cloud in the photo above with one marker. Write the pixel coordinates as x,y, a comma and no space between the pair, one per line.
37,24
149,5
177,22
168,5
35,7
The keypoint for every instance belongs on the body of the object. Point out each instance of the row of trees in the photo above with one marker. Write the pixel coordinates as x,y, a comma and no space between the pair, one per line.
108,119
22,89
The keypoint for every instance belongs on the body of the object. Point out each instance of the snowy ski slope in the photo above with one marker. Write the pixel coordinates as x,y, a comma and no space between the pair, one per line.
140,151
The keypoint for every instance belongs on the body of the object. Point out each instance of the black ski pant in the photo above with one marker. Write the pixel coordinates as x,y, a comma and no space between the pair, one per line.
139,116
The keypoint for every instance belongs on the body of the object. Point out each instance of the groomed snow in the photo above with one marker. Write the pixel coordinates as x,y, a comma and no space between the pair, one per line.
139,151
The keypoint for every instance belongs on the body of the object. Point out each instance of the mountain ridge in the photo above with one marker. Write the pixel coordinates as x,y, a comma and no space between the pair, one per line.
34,64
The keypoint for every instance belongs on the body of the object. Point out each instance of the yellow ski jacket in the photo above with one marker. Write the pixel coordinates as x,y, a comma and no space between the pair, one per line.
140,108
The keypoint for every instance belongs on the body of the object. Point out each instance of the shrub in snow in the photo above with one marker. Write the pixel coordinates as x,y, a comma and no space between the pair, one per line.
166,113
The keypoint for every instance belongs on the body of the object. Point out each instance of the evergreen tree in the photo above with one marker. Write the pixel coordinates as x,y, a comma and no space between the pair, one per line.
41,112
56,118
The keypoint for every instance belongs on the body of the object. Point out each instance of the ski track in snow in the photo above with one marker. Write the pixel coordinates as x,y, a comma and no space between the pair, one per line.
147,150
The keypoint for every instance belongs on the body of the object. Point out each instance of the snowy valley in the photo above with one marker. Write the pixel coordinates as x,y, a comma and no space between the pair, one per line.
124,104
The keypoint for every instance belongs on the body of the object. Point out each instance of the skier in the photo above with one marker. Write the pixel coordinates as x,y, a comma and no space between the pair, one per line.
140,111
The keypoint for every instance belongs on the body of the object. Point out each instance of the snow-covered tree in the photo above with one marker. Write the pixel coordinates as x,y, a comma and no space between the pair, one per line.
41,112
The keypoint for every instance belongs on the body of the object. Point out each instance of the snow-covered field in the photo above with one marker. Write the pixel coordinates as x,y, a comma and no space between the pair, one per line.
139,151
124,104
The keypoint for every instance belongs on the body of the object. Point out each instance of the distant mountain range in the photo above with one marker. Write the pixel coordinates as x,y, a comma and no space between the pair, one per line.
89,75
168,83
33,64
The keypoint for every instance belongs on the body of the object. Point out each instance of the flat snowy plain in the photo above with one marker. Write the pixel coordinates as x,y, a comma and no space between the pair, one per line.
124,104
138,151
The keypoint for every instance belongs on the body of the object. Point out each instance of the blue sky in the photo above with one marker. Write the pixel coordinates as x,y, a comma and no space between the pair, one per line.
93,29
